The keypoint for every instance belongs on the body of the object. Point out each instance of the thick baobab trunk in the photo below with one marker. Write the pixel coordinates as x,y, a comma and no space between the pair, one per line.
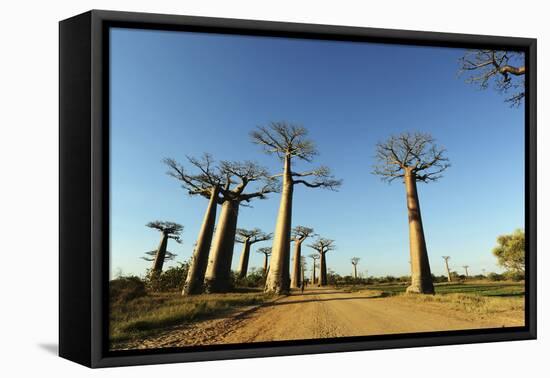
278,279
160,255
218,272
313,278
323,270
197,269
354,271
421,276
243,264
296,279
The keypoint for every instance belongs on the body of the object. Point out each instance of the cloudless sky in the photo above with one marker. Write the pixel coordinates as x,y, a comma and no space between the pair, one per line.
177,93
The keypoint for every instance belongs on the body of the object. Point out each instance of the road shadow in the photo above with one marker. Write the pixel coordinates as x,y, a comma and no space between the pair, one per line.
277,303
51,348
317,292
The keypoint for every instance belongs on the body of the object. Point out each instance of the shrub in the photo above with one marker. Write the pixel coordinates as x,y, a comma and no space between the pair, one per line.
124,289
255,278
515,276
169,280
495,277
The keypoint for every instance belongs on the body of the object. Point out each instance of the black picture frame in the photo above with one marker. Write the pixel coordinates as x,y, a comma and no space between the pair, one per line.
84,187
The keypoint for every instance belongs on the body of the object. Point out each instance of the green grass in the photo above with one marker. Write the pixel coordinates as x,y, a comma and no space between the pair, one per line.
480,298
146,316
500,289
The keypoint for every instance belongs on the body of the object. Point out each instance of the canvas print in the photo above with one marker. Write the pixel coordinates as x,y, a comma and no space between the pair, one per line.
269,189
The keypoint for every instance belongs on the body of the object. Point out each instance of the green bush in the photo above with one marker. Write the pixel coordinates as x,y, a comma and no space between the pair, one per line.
171,279
515,276
255,278
495,277
124,289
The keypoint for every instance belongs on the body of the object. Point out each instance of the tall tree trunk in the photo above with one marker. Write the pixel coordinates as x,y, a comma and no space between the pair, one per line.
303,274
421,275
278,279
313,278
243,264
197,269
449,279
218,272
160,255
266,258
354,271
323,270
296,280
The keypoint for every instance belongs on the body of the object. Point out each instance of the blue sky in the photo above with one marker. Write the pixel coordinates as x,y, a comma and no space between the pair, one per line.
175,94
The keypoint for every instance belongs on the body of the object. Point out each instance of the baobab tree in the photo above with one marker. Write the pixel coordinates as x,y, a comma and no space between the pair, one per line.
303,267
299,234
222,184
266,251
322,246
314,257
239,176
248,238
289,143
505,70
446,258
207,184
466,269
168,230
354,262
413,158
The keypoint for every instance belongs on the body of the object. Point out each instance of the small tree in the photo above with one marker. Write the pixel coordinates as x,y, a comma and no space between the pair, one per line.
447,258
247,238
314,265
505,70
354,262
168,230
299,234
266,251
510,251
322,246
413,158
289,142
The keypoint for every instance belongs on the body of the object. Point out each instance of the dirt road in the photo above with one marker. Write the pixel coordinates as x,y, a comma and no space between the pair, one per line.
320,313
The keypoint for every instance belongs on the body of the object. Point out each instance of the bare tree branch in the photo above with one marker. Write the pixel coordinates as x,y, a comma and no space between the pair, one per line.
170,229
323,245
252,236
417,152
483,67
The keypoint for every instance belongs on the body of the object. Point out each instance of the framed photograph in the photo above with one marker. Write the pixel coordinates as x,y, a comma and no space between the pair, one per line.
235,188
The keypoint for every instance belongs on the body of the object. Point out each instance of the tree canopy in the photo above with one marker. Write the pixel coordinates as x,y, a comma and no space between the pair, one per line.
171,229
414,151
251,236
229,177
505,70
323,245
290,141
510,251
301,232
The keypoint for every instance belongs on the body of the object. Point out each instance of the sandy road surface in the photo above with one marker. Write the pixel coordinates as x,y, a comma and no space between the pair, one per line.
320,313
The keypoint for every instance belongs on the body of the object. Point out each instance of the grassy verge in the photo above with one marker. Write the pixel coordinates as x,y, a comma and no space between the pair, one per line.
502,289
471,303
474,297
146,316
